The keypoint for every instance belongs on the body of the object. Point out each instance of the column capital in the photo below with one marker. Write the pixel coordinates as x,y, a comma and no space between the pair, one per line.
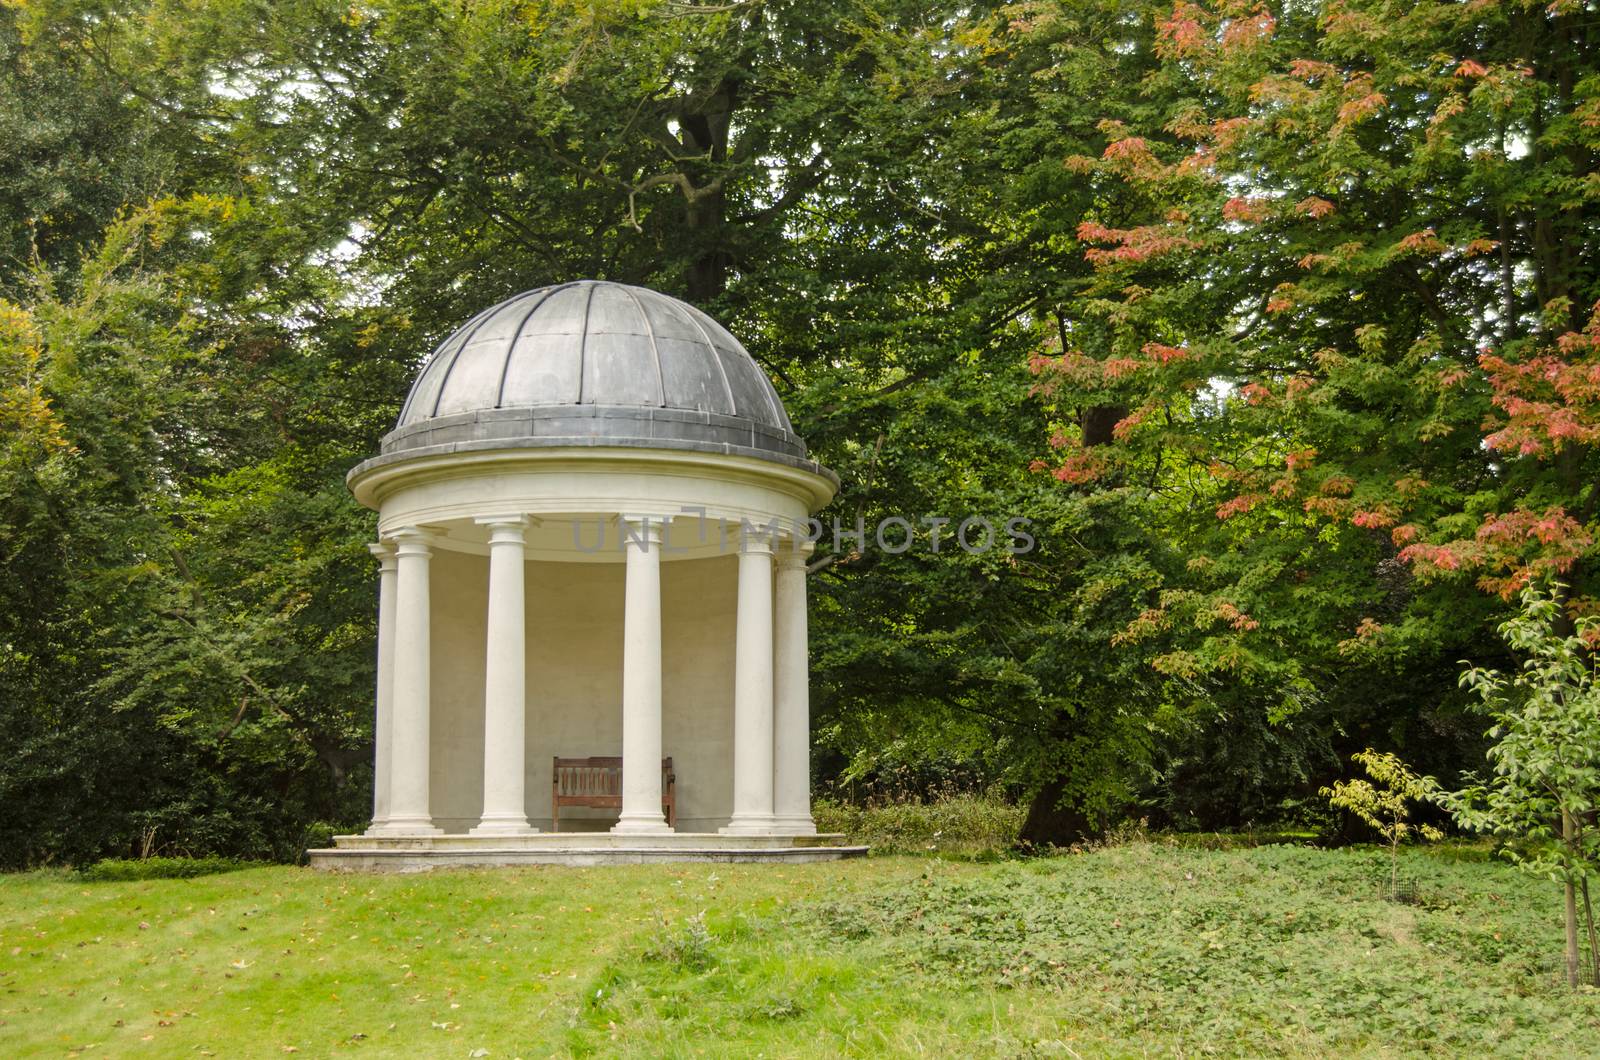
413,541
794,554
505,529
646,528
521,520
384,553
757,545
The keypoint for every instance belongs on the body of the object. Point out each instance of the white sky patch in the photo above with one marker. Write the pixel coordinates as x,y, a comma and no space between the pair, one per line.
1216,393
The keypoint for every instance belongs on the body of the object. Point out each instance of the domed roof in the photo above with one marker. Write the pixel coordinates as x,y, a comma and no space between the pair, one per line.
594,363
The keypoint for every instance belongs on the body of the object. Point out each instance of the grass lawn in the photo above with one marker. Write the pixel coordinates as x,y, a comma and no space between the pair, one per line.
1143,948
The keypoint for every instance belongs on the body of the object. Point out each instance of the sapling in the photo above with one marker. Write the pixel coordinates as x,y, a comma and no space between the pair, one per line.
1545,787
1384,802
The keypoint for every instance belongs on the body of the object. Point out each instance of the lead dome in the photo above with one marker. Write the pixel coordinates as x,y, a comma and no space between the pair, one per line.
594,363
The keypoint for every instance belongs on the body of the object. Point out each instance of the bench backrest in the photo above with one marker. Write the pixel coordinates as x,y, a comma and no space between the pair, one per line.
599,776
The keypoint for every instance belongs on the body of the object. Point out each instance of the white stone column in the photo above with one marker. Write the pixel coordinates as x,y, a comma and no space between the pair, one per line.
383,726
791,709
505,684
409,735
752,692
641,678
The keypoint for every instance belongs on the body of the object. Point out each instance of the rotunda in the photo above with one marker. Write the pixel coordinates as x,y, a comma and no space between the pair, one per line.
592,599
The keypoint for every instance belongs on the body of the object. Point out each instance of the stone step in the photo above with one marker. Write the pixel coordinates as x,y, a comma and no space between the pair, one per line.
401,859
583,840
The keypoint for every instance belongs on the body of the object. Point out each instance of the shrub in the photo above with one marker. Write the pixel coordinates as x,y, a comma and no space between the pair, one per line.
319,835
964,825
125,869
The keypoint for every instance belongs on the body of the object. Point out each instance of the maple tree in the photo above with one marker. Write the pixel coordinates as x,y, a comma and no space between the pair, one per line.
1344,324
1391,202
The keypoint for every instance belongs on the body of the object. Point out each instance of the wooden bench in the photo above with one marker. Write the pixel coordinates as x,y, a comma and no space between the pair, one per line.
597,782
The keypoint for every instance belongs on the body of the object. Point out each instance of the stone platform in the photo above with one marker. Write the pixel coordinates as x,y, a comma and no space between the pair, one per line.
364,853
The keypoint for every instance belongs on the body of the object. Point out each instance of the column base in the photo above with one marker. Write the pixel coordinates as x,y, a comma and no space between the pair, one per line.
406,826
749,824
503,826
794,824
643,824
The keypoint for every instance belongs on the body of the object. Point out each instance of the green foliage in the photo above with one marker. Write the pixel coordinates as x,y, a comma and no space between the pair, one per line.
182,644
1333,319
1544,791
124,870
319,835
75,149
1384,802
956,825
1202,293
1546,754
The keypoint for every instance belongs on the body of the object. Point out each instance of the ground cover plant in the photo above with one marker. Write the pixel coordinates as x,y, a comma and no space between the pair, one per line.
1145,947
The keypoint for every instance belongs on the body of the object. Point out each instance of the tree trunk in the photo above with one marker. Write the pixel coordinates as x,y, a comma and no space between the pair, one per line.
708,271
1050,823
1508,276
1594,940
1097,424
706,126
1568,831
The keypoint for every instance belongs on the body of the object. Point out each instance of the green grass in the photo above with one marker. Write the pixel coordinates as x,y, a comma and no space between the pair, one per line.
1143,948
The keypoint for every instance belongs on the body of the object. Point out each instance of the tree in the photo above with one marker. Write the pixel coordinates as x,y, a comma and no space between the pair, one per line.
73,152
1383,802
1544,792
1344,308
770,157
186,593
89,380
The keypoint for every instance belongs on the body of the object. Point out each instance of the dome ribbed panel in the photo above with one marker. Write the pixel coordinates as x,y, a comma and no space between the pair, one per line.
593,343
594,363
